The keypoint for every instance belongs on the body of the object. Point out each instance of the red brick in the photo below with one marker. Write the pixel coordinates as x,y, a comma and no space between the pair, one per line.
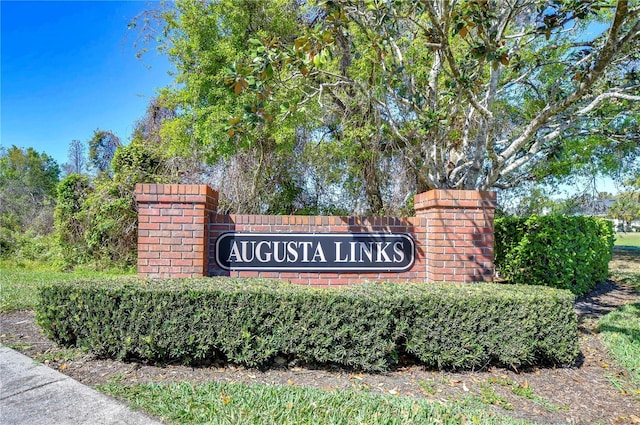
142,198
455,231
149,226
196,199
193,212
147,269
182,262
171,271
173,211
166,198
148,211
181,248
147,240
159,219
143,254
179,219
159,262
270,275
162,248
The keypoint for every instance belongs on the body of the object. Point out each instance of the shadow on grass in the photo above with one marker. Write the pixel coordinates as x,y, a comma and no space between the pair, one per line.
629,314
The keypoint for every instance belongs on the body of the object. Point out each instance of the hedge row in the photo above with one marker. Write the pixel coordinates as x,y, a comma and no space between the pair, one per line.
558,251
366,327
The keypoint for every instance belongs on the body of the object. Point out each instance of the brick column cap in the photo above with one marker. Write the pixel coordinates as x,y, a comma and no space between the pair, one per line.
157,192
452,198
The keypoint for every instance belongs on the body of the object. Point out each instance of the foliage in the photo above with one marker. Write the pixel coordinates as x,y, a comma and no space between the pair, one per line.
70,219
223,403
102,148
149,127
364,327
469,94
256,171
558,251
625,208
32,247
97,221
369,102
27,189
112,234
535,202
37,172
535,199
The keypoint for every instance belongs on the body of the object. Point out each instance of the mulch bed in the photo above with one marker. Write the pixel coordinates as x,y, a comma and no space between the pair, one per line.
582,394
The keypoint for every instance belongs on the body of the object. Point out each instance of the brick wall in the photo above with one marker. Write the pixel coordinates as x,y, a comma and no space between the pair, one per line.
179,224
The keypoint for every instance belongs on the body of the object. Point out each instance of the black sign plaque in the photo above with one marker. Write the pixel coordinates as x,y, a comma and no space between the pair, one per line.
315,252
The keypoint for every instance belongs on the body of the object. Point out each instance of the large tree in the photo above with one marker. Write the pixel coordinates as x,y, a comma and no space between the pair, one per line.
77,156
471,94
257,168
102,148
381,99
626,208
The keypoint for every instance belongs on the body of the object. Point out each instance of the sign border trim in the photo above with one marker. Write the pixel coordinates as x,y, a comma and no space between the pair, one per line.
403,269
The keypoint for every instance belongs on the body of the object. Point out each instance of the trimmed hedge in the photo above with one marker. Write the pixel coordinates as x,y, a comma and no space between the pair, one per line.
366,327
558,251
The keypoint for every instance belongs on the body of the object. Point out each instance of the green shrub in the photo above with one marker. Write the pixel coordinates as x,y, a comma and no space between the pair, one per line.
558,251
365,327
70,221
96,220
7,242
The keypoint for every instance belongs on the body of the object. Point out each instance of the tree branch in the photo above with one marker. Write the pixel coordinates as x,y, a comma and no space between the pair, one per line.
604,96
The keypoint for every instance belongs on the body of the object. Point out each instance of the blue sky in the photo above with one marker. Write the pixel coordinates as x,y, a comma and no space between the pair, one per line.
69,68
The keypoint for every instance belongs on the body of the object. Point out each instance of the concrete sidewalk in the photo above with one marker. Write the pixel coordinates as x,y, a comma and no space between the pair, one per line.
31,393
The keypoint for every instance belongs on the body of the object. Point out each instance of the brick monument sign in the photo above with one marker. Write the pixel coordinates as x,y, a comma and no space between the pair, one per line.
181,234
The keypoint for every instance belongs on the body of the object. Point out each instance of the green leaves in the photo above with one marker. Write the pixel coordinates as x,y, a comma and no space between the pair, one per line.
367,327
27,190
558,251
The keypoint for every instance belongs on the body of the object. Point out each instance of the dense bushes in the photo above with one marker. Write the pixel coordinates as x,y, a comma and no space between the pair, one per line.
558,251
96,220
365,327
27,190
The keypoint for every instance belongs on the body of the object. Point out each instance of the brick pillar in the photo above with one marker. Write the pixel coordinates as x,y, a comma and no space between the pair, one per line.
459,245
172,229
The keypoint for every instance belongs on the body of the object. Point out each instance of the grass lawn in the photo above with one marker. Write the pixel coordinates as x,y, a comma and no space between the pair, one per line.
19,286
229,403
620,331
628,239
